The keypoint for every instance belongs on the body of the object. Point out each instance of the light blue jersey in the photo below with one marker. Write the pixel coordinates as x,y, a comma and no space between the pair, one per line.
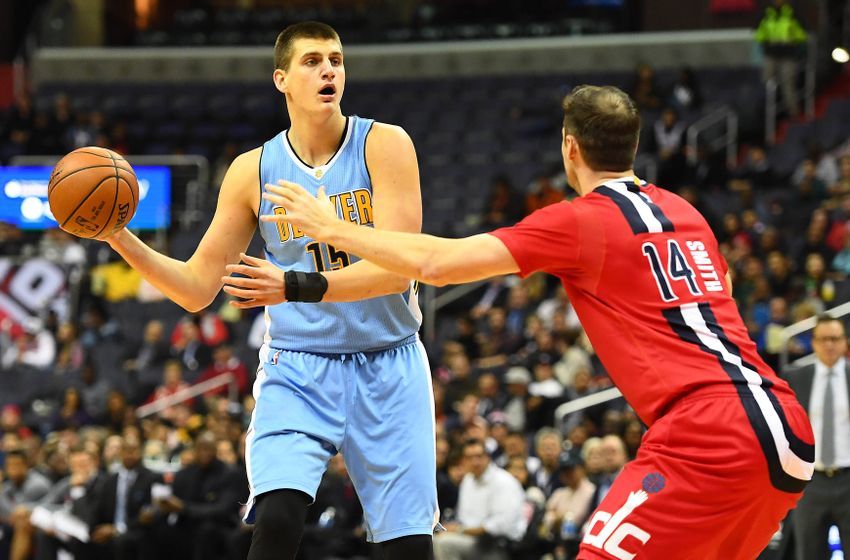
336,328
341,377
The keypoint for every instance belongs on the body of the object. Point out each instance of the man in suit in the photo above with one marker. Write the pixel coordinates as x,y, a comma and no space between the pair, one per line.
824,390
204,508
121,515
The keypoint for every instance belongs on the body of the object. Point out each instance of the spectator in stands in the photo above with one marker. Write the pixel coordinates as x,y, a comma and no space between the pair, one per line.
70,355
94,391
490,508
547,447
336,530
685,93
12,423
461,379
204,498
152,352
645,90
73,494
98,328
18,128
569,506
71,413
781,36
224,361
504,206
517,380
172,382
121,516
545,392
541,193
450,471
669,140
34,347
614,458
189,348
116,412
824,391
22,488
490,397
826,167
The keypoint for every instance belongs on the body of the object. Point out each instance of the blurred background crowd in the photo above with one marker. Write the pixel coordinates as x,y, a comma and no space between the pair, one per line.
89,421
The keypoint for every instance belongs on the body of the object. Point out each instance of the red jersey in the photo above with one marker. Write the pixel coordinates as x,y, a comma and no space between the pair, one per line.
643,270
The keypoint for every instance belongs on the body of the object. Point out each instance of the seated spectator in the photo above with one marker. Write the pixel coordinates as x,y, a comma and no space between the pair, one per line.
204,495
71,413
547,447
224,361
541,193
516,446
669,139
569,506
490,508
490,397
504,206
34,347
614,458
517,380
152,352
94,391
121,517
73,494
70,355
334,526
685,94
172,382
12,423
450,471
189,348
97,328
23,487
645,90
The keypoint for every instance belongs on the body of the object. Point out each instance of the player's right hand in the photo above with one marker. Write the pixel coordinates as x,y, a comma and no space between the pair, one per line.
261,283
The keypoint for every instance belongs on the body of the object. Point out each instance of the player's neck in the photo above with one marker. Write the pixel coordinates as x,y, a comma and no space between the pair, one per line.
316,140
589,180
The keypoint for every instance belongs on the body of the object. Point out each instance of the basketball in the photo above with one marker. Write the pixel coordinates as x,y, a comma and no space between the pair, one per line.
93,192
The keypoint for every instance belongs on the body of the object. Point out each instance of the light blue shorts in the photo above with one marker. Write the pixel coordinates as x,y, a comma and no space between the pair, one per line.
376,408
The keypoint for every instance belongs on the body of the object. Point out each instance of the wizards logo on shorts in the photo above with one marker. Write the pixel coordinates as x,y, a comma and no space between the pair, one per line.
653,483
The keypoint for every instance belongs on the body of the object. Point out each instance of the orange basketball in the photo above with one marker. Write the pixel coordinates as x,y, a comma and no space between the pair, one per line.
93,192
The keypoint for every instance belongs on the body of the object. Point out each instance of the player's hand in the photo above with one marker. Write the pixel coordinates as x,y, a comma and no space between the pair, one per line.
315,216
261,283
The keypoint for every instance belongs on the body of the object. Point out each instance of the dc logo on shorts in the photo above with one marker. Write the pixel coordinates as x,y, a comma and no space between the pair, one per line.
653,483
610,532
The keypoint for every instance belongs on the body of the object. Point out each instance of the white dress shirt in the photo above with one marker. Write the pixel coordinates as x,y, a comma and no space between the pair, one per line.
841,408
494,501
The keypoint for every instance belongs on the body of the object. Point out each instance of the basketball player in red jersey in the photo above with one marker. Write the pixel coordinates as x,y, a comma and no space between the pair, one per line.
728,450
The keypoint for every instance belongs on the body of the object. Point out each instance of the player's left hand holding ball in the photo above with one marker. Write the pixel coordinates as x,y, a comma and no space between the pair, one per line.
315,216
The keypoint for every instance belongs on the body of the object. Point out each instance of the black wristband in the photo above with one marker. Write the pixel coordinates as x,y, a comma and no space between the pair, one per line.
309,287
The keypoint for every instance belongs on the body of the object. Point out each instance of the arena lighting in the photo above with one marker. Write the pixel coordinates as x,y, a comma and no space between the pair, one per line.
840,55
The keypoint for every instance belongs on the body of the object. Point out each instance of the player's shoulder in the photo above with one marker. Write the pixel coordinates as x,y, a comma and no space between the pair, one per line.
387,144
385,133
245,159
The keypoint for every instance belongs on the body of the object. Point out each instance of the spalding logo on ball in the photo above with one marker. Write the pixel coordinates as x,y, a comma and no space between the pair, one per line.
93,192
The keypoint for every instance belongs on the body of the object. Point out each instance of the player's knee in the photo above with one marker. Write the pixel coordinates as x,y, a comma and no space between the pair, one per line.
412,547
280,516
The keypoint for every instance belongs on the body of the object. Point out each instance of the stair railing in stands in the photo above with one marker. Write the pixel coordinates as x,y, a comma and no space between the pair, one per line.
723,116
191,392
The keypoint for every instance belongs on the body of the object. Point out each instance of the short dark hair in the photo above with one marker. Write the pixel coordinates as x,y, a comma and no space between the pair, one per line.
827,318
303,30
19,453
606,124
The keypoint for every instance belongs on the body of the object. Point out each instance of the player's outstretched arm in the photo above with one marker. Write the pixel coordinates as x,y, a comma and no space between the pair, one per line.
430,259
396,206
194,284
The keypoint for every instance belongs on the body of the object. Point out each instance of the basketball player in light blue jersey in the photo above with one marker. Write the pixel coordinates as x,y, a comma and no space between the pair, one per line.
342,369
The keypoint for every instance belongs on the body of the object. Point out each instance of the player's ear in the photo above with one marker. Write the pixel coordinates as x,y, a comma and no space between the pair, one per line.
279,79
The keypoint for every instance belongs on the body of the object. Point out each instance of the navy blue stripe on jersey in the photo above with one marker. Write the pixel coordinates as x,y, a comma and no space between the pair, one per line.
628,209
666,224
686,331
803,450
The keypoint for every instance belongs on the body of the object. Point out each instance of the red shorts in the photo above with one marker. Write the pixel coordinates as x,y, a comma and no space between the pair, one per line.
712,480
